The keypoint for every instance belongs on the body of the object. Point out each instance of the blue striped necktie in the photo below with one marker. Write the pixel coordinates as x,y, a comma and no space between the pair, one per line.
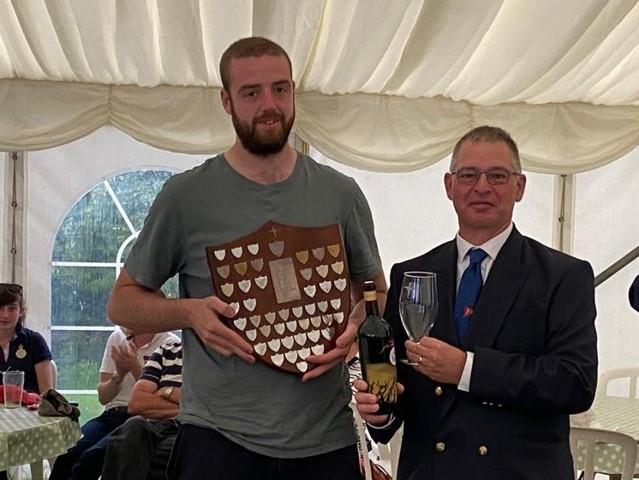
469,287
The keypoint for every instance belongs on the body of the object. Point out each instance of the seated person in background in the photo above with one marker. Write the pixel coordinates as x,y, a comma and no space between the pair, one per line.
141,447
21,348
124,355
633,294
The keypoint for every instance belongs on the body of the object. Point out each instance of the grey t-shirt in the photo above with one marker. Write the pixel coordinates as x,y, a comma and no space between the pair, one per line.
262,409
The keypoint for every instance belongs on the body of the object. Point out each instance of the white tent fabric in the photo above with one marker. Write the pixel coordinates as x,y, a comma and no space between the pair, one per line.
381,85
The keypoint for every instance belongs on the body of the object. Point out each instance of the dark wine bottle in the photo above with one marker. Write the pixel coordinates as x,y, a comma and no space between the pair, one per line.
375,338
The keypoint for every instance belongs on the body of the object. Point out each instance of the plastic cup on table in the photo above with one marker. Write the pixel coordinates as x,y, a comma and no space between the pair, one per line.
13,381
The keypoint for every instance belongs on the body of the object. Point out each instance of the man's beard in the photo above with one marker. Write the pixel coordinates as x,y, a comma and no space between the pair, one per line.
263,144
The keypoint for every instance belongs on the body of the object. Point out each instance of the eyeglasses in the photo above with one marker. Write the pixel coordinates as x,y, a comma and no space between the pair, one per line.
471,175
12,288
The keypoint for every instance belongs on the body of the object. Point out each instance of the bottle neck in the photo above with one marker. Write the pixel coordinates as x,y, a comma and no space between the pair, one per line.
372,308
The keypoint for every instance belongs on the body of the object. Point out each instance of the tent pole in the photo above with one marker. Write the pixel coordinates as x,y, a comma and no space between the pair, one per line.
16,221
564,213
14,207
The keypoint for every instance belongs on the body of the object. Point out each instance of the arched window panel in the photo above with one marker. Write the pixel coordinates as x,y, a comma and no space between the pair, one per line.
136,192
79,295
90,249
78,354
93,229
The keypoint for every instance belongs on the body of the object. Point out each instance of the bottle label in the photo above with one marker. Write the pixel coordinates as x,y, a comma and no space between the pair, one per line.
382,381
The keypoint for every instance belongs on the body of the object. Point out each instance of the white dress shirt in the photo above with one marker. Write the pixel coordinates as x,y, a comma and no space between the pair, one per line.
492,248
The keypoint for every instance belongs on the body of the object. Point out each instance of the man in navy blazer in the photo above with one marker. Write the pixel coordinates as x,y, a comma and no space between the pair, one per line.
492,403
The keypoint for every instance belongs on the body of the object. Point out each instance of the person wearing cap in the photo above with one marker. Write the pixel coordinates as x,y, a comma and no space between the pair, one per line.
633,294
21,348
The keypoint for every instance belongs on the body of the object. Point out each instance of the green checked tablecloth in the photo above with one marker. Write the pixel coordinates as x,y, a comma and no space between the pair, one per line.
27,438
610,413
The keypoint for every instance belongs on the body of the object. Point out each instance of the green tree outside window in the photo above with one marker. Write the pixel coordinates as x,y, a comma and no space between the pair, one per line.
90,249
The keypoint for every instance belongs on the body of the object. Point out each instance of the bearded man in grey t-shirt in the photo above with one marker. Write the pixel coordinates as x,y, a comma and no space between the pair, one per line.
242,419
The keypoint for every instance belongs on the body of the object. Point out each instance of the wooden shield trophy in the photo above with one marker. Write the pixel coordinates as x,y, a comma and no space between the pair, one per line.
291,289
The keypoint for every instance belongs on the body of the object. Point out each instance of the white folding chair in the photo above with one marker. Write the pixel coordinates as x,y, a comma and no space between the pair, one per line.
584,437
629,374
54,374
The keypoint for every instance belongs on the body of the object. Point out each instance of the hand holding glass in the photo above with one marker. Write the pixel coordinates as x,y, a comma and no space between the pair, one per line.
418,305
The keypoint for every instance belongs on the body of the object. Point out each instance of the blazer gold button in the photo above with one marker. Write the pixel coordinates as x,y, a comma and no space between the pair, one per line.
438,391
483,450
440,446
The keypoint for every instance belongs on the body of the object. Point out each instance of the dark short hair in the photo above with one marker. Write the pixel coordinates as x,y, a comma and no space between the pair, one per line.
487,133
250,47
12,293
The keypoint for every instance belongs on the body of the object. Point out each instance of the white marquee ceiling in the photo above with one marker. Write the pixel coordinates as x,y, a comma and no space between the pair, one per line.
381,84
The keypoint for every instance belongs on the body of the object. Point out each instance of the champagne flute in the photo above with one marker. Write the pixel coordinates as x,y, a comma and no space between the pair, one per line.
418,305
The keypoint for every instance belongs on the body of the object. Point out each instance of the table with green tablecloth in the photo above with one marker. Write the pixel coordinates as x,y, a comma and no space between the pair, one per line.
27,438
610,413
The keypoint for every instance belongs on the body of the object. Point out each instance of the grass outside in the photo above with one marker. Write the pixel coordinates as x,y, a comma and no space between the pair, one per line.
90,407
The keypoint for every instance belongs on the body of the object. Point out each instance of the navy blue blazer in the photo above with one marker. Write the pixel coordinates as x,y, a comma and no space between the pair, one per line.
633,294
535,347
